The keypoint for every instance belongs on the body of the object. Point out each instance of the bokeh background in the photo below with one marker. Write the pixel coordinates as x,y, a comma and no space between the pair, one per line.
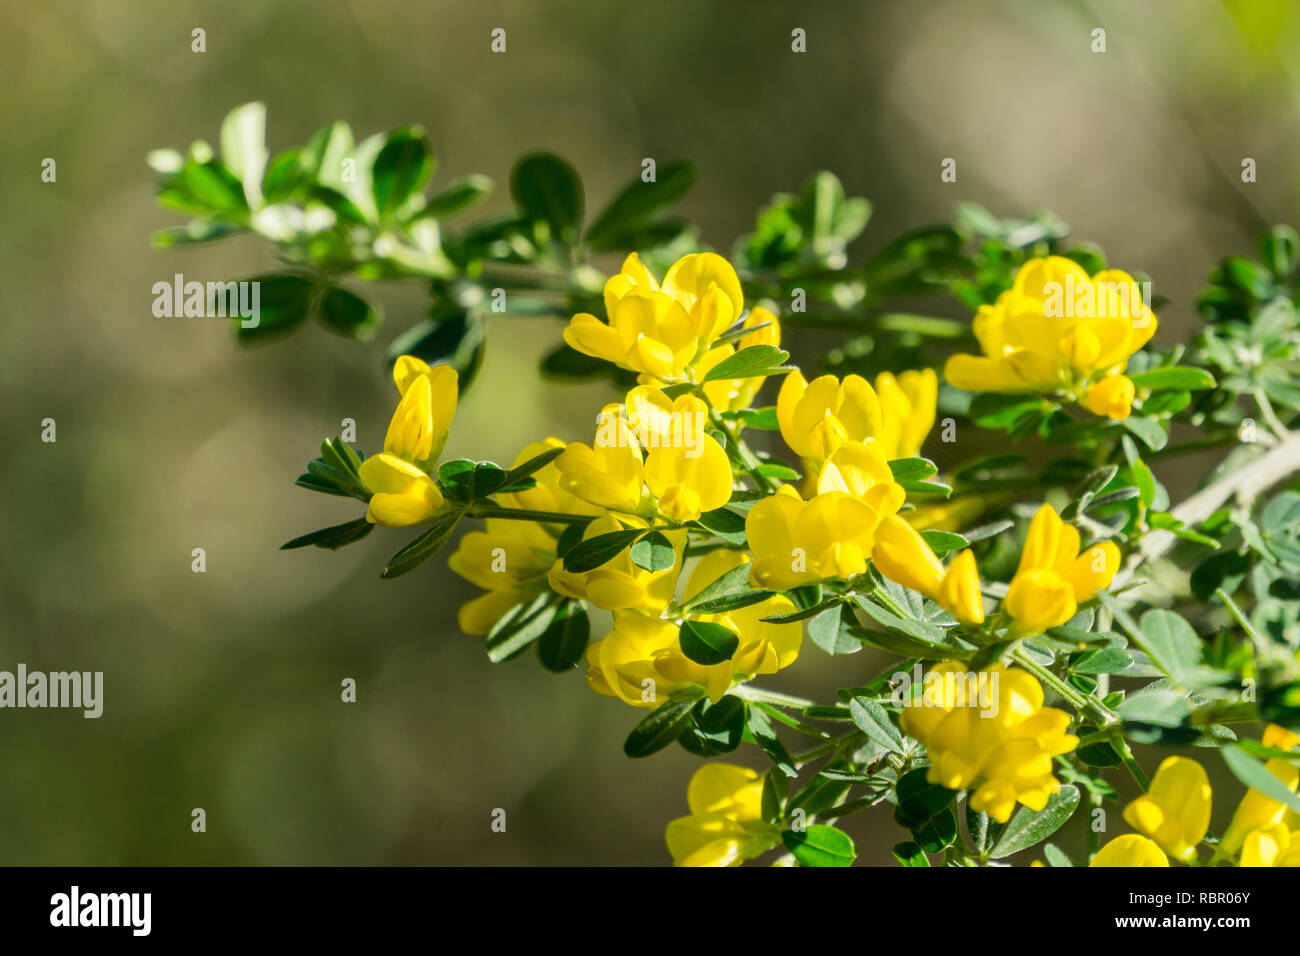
222,688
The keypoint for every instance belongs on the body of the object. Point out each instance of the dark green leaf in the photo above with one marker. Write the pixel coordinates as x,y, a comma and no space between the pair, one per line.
284,300
562,646
708,643
547,190
638,203
401,169
348,314
422,548
663,725
334,537
591,553
1029,827
515,631
820,845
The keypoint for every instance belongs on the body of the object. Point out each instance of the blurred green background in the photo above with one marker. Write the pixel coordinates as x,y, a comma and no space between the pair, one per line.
222,688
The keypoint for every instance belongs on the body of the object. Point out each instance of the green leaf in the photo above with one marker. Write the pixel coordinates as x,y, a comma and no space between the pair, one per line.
725,523
547,190
422,548
919,799
909,854
1029,827
654,552
1175,377
464,481
637,204
562,646
944,542
452,337
776,790
820,845
728,591
873,720
716,728
457,195
527,468
752,362
1107,660
284,301
1055,856
708,643
1172,643
912,469
804,613
1162,707
1281,514
591,553
402,168
663,725
989,410
775,469
760,728
1254,774
834,630
348,314
1278,250
1148,431
334,537
515,631
925,809
927,638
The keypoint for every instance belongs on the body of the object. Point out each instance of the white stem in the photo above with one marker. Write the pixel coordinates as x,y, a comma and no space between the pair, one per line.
1245,484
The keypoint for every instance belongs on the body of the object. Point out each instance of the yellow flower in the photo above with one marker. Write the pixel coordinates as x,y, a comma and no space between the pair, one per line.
402,493
642,648
624,663
619,584
903,556
1271,845
907,408
726,824
685,469
419,427
817,417
731,395
1057,331
1054,577
609,474
1255,809
1175,810
660,331
796,542
1130,850
511,559
1110,397
989,732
